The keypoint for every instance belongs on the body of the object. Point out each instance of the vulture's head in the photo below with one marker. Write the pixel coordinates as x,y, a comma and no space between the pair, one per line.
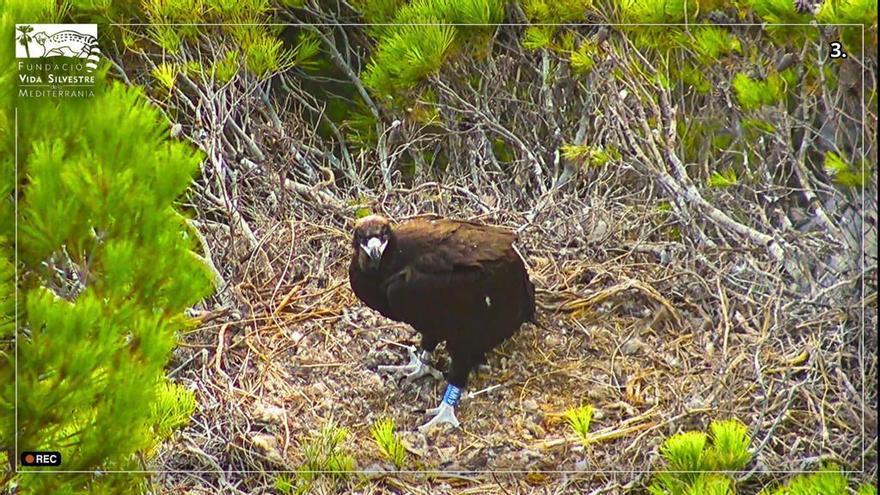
371,236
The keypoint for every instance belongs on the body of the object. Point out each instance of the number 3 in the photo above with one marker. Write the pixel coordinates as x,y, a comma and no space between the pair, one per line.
837,50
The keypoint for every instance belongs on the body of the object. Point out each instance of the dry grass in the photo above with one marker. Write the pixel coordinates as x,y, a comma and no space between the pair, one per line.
657,335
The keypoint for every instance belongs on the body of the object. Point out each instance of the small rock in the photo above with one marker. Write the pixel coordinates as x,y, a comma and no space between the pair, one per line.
596,394
530,455
671,360
268,414
695,402
530,405
535,429
268,444
415,443
632,346
599,231
377,468
372,381
447,454
553,341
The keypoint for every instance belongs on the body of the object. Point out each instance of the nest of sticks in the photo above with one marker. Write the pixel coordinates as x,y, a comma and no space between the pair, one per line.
659,336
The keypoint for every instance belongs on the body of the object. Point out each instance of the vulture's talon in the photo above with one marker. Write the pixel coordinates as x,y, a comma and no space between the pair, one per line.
444,413
424,370
414,369
432,412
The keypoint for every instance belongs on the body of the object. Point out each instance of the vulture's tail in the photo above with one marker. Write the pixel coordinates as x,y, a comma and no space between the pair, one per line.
528,310
529,313
531,316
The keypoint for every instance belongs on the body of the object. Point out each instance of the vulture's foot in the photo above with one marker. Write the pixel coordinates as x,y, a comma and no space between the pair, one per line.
445,412
417,366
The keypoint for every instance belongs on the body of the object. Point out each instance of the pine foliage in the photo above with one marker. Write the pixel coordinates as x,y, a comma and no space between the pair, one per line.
697,463
827,481
425,38
389,442
105,270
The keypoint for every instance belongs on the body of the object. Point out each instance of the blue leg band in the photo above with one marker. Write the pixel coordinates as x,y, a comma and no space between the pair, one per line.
452,395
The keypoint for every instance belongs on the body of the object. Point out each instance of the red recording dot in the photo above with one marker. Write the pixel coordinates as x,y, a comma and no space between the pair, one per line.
29,459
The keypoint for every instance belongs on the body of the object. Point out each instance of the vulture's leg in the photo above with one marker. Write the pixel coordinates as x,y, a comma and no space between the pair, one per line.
417,366
480,361
459,369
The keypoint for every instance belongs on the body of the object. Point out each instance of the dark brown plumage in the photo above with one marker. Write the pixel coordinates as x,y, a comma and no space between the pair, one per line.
453,281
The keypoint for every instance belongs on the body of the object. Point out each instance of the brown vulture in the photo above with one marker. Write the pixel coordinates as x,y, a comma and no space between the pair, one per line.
459,282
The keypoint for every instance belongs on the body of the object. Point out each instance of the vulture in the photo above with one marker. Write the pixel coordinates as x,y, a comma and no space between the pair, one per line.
455,281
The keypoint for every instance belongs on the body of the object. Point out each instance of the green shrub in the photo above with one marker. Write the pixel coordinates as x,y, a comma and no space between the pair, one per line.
828,481
700,464
579,420
425,37
844,173
325,455
753,93
694,464
106,269
389,443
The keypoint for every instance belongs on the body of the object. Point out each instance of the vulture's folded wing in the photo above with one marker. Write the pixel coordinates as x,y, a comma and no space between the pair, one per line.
446,272
439,246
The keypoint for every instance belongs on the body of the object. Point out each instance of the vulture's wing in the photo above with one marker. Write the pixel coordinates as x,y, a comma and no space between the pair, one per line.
445,271
439,246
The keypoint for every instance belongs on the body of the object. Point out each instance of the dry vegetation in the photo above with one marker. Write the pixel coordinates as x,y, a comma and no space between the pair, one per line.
625,332
660,318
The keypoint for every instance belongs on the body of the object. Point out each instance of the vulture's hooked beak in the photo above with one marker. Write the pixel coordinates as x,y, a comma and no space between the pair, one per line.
374,249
